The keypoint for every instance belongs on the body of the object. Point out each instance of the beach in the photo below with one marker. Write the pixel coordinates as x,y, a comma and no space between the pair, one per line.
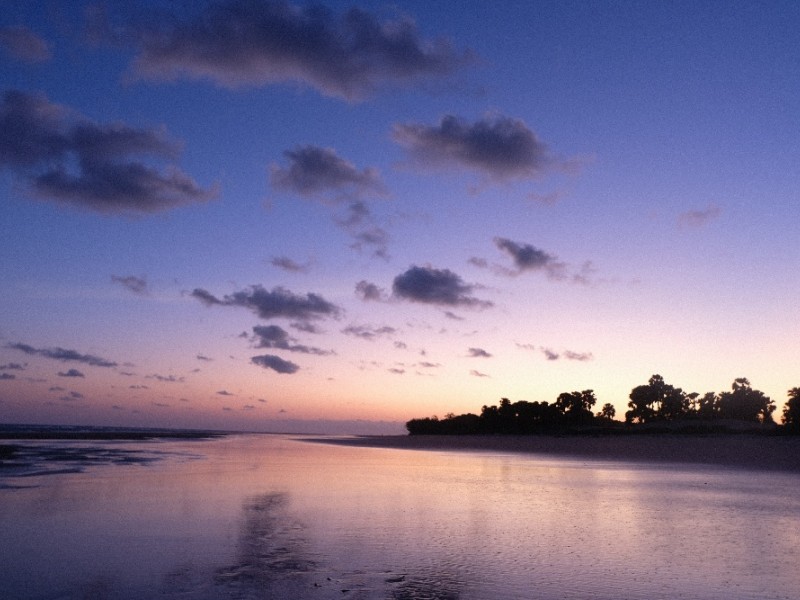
748,451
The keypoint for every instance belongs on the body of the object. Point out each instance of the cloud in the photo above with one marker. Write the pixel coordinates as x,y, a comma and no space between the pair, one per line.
72,396
435,286
287,264
63,355
137,285
316,172
478,353
12,367
166,378
396,371
359,223
699,218
276,363
7,376
23,44
369,292
272,336
475,373
498,147
240,43
71,373
528,258
566,354
224,393
275,304
366,332
204,358
550,354
69,159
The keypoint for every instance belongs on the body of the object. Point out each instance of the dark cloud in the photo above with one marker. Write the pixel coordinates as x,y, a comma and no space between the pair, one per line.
72,396
435,286
272,336
204,358
287,264
67,158
365,332
478,353
137,285
275,304
224,393
63,355
245,43
23,44
550,354
276,363
138,387
71,373
699,218
499,147
315,172
369,292
56,388
528,258
7,376
12,367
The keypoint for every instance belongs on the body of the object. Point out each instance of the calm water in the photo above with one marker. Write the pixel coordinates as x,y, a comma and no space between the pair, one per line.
273,517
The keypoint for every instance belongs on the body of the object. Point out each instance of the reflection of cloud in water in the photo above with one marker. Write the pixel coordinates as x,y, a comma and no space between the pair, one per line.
273,561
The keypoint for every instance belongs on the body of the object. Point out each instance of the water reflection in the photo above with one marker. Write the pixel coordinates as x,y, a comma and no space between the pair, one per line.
270,517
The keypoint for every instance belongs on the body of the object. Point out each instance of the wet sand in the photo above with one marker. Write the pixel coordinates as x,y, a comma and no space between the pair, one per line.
749,451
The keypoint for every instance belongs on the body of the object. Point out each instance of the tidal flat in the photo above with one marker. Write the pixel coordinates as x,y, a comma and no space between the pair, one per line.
266,516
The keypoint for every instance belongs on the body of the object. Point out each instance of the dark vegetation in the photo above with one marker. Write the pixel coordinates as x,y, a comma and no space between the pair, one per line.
66,432
654,407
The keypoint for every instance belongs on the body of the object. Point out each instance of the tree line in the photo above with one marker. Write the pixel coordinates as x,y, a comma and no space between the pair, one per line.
652,403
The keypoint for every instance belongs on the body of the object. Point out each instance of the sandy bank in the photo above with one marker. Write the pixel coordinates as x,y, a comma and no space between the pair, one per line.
761,452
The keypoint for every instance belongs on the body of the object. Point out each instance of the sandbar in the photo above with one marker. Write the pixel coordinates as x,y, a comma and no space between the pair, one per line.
747,451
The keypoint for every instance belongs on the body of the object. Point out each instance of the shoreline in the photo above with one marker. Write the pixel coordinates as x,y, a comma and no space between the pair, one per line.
744,451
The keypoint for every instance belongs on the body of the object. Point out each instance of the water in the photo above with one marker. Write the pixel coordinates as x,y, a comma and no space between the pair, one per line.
273,517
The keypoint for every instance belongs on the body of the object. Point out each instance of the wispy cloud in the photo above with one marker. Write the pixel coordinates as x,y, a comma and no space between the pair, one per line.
478,353
272,336
238,43
71,373
287,264
63,355
428,285
136,285
367,332
23,44
369,292
498,147
475,373
69,159
699,218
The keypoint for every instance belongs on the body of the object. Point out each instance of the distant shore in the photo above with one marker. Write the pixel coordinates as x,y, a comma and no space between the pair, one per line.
749,451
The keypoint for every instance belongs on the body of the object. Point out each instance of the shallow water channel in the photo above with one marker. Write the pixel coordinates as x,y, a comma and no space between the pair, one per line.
260,516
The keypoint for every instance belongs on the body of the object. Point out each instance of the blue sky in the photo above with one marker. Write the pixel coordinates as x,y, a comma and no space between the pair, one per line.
409,208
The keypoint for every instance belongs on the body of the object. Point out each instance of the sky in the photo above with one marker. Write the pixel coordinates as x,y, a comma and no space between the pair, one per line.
291,216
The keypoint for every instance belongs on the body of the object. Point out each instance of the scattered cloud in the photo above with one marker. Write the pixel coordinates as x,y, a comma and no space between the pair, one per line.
56,388
71,373
278,303
288,265
579,356
276,363
358,221
551,354
366,332
23,44
435,286
501,148
63,354
369,292
12,367
529,258
428,365
7,376
69,159
138,387
396,370
137,285
272,336
166,378
478,353
475,373
204,358
320,173
72,396
237,43
699,218
224,393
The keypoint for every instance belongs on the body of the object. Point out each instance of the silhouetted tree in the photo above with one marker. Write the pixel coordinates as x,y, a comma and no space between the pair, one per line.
705,406
743,403
577,406
656,400
608,412
791,411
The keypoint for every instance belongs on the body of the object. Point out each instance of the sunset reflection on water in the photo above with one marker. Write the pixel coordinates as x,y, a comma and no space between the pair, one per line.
270,516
